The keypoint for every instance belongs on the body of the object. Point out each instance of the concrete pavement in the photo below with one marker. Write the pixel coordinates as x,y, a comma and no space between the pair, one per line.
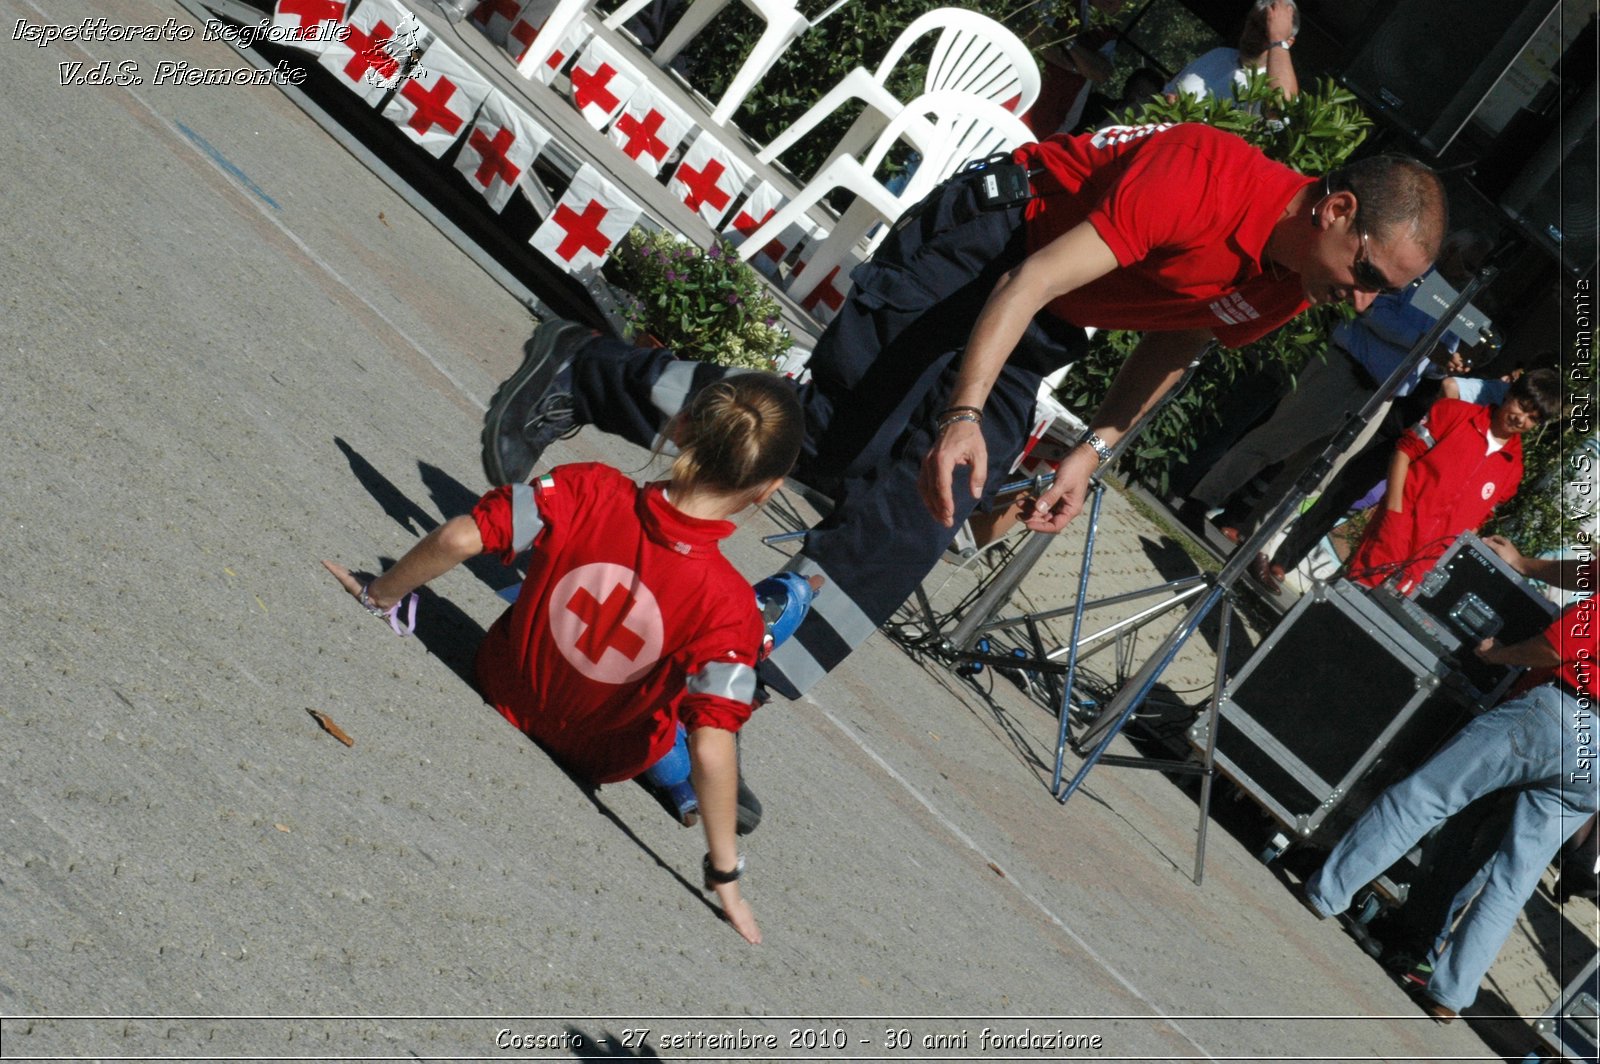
231,352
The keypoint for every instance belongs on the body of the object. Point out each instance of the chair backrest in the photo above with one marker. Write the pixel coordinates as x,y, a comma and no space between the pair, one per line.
974,54
949,129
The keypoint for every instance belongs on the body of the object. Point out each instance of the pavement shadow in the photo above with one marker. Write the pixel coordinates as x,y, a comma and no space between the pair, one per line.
606,1046
449,496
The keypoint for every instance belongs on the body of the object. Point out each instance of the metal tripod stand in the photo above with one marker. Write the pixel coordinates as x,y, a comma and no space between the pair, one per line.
1111,721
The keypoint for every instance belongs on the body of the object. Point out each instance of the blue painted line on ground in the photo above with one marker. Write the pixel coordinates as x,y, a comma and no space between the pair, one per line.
221,160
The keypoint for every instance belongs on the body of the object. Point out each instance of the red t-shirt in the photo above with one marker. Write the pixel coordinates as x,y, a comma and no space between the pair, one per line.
1575,639
1454,483
1187,210
630,620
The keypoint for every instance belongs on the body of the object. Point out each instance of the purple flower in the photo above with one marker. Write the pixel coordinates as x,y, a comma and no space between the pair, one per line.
716,251
733,299
672,276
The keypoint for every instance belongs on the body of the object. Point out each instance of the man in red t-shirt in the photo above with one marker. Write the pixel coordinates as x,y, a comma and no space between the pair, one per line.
1449,472
1185,232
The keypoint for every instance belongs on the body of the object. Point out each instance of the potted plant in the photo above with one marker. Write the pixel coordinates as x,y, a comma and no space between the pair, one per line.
704,303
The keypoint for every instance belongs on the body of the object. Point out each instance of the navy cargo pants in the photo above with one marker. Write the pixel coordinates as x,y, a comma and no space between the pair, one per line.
880,375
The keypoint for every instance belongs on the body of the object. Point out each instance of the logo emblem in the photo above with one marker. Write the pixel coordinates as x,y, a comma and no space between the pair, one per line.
606,623
1488,491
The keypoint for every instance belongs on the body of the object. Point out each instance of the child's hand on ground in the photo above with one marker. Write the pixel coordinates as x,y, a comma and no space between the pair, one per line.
739,913
348,581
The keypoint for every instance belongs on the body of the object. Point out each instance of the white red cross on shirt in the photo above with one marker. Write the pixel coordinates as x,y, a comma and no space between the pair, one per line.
604,627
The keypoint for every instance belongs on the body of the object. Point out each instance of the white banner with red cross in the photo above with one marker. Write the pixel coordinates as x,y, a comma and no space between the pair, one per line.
753,213
436,99
499,152
370,60
601,82
762,203
314,23
521,35
824,301
650,128
592,216
709,178
496,17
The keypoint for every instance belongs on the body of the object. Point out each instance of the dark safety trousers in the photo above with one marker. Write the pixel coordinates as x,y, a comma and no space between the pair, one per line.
881,373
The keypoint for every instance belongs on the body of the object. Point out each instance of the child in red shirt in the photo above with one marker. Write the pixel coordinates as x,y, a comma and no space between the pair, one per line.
1449,471
630,619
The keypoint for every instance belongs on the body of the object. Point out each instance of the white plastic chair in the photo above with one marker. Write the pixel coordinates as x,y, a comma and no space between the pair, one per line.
962,128
551,33
784,24
974,54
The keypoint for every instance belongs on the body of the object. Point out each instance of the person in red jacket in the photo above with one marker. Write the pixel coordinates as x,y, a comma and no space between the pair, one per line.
1449,471
630,620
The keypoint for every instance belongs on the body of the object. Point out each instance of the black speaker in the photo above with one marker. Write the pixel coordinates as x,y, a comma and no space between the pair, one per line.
1429,63
1554,195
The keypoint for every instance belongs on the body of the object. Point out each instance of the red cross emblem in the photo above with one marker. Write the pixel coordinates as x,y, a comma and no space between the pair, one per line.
702,185
824,293
523,33
432,106
369,53
744,224
605,626
642,139
312,13
495,161
583,230
590,88
606,623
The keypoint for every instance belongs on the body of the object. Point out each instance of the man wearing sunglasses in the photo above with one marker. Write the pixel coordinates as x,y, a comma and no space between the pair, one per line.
1334,384
1184,232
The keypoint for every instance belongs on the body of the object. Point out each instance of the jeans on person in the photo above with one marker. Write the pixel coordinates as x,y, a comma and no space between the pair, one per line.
1531,743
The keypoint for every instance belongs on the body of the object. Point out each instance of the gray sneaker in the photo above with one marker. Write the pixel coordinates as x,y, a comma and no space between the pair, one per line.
533,408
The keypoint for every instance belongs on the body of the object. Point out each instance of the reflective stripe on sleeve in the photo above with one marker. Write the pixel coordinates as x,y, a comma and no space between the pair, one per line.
724,679
525,519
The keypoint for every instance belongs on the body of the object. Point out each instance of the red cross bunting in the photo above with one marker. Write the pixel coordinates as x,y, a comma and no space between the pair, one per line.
824,293
590,88
432,106
312,13
523,33
369,53
508,9
702,185
495,162
642,139
605,629
583,230
745,224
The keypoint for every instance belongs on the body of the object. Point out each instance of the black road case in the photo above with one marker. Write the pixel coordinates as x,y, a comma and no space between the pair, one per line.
1340,701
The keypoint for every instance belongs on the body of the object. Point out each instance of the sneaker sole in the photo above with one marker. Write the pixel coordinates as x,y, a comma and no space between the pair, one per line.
537,353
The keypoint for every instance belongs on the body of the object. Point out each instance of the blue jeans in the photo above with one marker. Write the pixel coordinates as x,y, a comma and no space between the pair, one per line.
1541,744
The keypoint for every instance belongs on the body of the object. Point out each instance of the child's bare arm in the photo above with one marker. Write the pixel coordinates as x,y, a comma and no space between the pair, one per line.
1395,494
434,555
714,761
